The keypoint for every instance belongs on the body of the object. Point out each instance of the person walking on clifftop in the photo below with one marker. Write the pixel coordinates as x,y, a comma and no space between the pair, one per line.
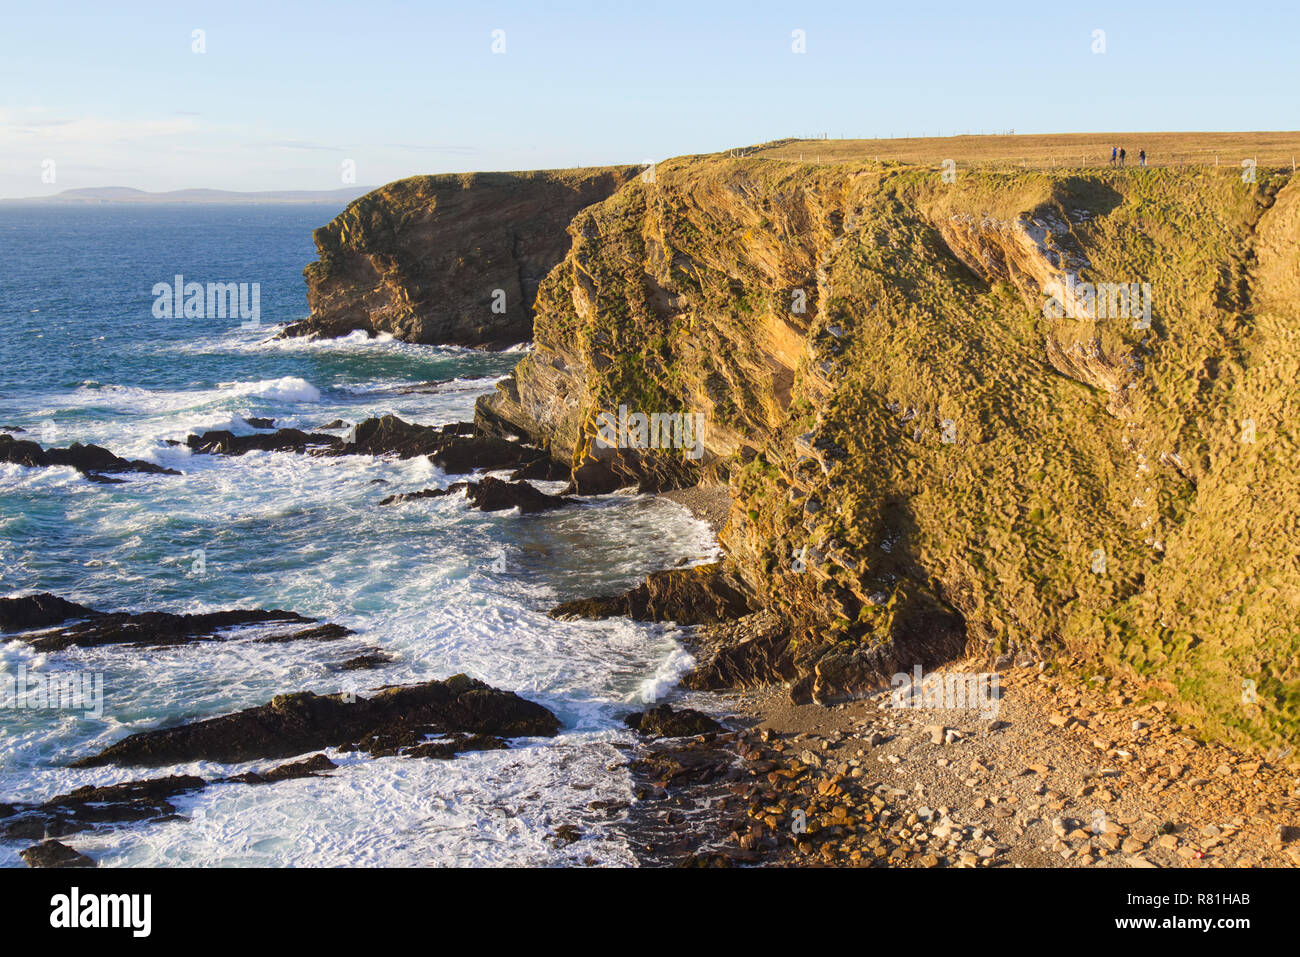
1122,154
1114,152
1142,157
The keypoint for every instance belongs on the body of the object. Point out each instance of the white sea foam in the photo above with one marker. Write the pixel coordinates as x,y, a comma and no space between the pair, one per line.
286,389
419,581
423,581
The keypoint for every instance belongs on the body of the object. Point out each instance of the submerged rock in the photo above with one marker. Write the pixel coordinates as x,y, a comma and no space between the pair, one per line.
456,744
296,723
307,768
93,462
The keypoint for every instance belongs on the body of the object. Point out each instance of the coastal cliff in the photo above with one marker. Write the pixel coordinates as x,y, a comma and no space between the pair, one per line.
450,259
926,454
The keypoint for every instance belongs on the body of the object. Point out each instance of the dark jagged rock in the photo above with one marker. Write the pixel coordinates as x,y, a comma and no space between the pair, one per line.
541,468
494,495
54,854
491,495
467,453
40,611
307,768
453,448
257,423
88,807
373,659
389,435
664,722
225,442
155,628
296,723
699,595
90,460
319,633
456,744
424,493
336,424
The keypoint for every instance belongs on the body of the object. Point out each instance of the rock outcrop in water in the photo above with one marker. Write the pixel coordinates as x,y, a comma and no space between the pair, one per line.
491,495
93,628
457,448
450,259
54,854
93,462
389,722
40,611
927,455
89,807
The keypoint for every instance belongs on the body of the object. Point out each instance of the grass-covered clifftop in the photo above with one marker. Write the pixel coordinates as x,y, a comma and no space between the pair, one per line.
449,259
922,458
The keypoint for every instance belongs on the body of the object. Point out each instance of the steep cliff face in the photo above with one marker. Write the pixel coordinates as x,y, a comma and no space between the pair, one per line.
453,259
925,455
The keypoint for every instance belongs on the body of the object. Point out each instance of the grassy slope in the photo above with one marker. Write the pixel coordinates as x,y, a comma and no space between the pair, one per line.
1060,150
1201,587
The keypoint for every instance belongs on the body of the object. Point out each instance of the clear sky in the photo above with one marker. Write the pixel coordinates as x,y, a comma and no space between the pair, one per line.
284,93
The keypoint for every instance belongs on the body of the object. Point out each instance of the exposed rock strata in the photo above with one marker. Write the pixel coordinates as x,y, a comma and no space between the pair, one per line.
701,595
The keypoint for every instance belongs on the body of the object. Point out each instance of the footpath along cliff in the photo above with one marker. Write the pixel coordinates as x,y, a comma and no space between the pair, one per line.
928,455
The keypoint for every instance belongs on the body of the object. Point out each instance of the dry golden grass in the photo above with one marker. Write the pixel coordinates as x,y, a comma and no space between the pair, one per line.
1061,150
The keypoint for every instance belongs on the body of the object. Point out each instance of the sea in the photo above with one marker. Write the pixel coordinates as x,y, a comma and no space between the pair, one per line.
440,588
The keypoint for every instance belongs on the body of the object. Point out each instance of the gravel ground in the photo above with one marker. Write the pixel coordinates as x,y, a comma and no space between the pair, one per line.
1065,774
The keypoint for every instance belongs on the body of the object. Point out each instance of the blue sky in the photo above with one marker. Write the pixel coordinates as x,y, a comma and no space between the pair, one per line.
285,93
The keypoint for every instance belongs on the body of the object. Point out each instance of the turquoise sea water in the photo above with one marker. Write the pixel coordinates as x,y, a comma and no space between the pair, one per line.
82,358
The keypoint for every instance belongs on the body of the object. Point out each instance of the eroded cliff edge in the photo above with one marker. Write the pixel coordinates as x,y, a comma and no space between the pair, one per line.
923,459
450,259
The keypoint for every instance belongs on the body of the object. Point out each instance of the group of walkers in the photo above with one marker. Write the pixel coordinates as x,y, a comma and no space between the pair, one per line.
1117,154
